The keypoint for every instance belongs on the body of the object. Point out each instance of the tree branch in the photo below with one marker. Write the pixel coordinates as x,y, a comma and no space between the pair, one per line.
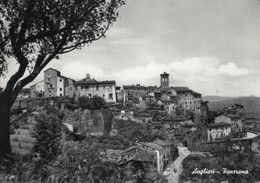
22,60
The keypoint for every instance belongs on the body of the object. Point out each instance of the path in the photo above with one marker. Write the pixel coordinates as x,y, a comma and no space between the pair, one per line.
177,164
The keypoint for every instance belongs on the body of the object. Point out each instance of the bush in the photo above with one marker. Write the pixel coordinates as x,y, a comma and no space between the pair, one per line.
48,134
76,161
92,103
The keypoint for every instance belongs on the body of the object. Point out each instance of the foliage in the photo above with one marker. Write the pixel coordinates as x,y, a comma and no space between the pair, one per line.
92,103
139,132
76,161
34,32
47,133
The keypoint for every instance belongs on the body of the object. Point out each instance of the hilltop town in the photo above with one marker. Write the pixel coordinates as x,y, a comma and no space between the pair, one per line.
150,133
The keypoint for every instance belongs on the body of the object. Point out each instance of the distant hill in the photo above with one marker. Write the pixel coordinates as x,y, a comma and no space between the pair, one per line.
216,98
251,104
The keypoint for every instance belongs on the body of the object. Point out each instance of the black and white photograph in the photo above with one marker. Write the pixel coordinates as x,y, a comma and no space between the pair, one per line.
130,91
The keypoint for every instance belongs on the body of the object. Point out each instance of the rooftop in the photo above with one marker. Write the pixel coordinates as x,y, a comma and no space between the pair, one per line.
52,69
93,82
188,123
153,145
181,89
164,143
164,74
233,116
219,124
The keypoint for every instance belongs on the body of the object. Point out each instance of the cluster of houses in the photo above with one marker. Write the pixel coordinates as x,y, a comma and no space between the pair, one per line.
166,97
56,85
158,153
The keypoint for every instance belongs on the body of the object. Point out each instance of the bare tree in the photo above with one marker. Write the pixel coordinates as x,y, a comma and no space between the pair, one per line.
34,32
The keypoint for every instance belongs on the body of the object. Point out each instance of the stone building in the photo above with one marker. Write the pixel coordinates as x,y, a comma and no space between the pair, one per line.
55,83
152,149
170,151
24,93
91,87
236,122
164,80
218,131
136,91
37,90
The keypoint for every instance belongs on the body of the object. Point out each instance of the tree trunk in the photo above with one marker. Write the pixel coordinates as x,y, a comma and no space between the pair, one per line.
5,146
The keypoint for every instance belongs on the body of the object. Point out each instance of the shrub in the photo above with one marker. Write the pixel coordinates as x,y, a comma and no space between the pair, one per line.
76,161
92,103
47,133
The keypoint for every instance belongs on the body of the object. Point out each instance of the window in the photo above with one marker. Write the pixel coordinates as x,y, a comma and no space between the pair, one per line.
48,79
86,87
104,95
60,89
49,91
60,80
60,94
97,87
89,95
81,87
110,87
50,85
104,87
110,96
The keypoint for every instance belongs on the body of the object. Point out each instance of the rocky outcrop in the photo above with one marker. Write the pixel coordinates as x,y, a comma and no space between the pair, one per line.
91,122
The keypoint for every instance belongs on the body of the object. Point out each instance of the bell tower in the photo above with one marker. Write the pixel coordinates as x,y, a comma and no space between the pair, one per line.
164,79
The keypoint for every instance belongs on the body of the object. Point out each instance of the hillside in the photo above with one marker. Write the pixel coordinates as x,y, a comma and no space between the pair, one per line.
251,104
216,98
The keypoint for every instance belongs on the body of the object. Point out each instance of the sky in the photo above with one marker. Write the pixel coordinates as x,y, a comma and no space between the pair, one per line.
212,47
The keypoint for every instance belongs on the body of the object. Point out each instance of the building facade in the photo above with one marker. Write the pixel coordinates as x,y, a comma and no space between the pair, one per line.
234,120
55,83
164,80
37,90
217,131
90,87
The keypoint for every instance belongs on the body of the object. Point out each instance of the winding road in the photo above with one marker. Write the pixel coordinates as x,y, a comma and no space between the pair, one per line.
177,164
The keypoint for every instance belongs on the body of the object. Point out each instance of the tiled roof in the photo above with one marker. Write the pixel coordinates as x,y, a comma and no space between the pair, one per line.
157,91
131,148
181,89
163,143
144,155
164,74
233,116
196,93
64,77
134,87
188,123
52,69
219,124
153,145
93,82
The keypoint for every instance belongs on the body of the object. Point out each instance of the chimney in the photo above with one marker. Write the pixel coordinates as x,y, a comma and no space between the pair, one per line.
87,76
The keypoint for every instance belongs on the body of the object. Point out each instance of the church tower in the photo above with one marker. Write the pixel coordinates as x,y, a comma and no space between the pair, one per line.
164,79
